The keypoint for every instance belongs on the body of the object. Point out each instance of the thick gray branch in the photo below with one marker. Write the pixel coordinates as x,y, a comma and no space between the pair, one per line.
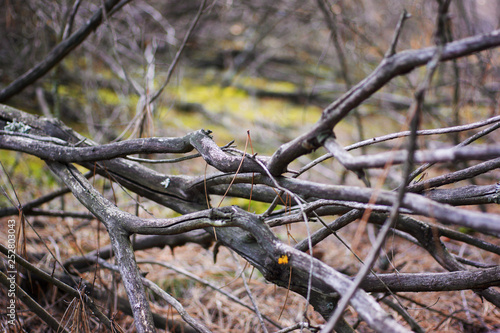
68,154
424,282
263,250
116,219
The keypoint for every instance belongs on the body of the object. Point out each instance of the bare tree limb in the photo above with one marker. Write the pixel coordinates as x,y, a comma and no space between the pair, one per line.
389,68
392,136
121,246
477,152
61,285
57,54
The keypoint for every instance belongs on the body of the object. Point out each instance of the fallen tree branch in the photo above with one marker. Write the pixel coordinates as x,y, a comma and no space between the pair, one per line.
271,248
143,242
425,282
119,240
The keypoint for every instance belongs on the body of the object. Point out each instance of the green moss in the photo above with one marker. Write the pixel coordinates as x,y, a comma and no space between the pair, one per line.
255,206
109,97
276,86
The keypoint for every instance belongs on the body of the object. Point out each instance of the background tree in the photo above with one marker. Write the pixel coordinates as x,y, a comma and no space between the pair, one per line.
295,84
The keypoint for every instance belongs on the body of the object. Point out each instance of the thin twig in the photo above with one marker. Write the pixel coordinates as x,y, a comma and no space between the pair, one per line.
249,293
165,296
179,52
392,49
71,18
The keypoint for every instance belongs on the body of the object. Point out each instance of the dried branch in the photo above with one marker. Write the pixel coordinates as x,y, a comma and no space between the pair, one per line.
466,142
127,223
425,282
252,243
119,240
263,251
67,154
392,136
115,222
428,237
456,176
70,19
392,49
142,242
469,153
307,190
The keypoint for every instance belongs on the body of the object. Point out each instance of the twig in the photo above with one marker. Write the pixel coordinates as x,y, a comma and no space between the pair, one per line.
454,177
176,305
179,52
208,284
415,327
250,295
71,18
445,130
165,296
